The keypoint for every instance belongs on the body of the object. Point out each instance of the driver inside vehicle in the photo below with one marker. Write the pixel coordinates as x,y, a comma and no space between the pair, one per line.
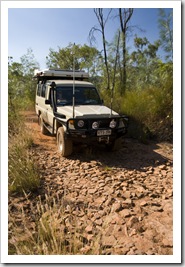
61,98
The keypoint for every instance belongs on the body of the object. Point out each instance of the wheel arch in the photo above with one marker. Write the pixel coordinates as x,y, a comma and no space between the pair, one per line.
58,124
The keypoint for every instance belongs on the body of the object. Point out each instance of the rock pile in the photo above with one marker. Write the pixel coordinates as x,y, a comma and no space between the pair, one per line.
123,210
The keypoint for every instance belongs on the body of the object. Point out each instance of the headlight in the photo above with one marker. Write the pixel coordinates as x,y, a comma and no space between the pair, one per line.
80,123
112,124
95,125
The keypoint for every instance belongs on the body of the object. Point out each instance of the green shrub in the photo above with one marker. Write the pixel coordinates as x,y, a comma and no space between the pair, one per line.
150,111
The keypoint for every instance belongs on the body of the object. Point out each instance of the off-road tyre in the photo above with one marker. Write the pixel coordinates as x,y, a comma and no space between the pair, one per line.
42,127
65,146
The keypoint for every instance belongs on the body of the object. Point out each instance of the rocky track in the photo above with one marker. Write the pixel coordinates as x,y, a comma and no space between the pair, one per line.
120,202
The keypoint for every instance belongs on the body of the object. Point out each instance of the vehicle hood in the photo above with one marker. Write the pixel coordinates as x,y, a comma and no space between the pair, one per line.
91,111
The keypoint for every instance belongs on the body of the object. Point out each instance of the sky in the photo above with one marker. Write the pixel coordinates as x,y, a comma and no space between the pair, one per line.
43,28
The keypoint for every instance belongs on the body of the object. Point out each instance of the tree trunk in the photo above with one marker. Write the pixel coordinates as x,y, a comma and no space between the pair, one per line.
102,22
124,19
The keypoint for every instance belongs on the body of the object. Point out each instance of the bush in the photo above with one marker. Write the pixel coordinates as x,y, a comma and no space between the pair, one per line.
151,112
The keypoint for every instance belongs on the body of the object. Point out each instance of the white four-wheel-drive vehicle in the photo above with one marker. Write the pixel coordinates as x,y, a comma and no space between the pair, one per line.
69,107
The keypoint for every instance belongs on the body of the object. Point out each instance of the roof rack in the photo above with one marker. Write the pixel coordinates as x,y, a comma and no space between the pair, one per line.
60,74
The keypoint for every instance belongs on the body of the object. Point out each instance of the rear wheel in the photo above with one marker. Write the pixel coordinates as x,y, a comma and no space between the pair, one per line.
42,126
65,146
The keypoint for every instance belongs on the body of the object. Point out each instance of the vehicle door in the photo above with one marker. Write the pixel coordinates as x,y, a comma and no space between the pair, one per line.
49,108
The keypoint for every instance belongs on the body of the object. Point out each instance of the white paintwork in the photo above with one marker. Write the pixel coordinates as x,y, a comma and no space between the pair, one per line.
86,111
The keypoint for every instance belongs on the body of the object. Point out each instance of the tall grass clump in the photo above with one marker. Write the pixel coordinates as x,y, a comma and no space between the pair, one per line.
47,236
151,112
54,232
23,173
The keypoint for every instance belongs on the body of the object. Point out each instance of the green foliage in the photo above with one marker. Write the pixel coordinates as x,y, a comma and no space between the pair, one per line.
21,87
165,22
29,63
143,65
83,57
150,111
148,104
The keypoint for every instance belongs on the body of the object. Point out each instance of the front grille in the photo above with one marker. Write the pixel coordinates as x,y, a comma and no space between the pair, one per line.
104,123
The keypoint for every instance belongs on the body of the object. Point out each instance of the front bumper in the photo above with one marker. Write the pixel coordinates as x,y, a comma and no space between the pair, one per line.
104,133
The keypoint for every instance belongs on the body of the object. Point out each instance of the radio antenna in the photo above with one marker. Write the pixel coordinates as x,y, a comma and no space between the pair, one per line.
114,74
73,51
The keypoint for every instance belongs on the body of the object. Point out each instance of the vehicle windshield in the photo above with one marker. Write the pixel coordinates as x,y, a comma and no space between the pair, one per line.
83,96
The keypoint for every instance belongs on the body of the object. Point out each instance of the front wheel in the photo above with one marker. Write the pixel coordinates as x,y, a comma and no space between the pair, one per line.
65,146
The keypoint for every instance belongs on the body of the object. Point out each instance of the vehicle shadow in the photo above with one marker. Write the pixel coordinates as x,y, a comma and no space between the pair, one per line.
132,155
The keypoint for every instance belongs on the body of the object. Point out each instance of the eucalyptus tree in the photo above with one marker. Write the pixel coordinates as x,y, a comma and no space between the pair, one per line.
125,15
21,87
102,20
165,23
15,81
29,64
144,63
74,55
64,57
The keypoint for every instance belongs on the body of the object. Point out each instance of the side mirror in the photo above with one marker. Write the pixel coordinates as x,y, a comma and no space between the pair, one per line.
47,102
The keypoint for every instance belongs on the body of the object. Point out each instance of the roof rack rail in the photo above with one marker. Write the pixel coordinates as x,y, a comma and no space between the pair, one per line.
60,74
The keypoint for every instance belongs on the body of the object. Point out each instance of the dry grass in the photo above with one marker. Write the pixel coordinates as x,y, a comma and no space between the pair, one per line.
23,173
55,230
38,225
